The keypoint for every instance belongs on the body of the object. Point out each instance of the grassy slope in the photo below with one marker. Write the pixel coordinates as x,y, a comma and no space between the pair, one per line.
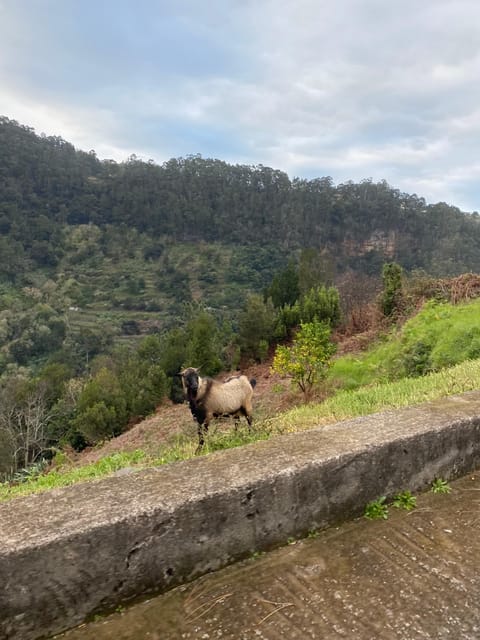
344,405
440,335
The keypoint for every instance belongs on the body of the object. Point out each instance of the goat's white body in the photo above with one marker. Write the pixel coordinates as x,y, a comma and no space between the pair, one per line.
226,397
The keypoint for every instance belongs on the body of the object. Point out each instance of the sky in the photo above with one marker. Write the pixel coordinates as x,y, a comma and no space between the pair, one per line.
352,89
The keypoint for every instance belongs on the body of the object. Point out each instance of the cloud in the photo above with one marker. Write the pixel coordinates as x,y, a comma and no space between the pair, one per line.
351,89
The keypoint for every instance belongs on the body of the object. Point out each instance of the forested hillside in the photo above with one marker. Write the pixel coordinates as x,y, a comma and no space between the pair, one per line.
115,275
128,244
48,190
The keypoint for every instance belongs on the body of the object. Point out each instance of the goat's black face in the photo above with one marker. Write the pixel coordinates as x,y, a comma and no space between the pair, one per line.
190,377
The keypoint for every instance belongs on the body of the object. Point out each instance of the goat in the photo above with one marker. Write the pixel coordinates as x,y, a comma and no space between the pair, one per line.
210,399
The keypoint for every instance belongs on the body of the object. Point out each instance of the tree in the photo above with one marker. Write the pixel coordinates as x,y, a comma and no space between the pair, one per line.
90,342
25,415
169,352
315,268
321,304
203,346
392,295
284,289
101,408
356,292
288,317
256,327
308,359
143,383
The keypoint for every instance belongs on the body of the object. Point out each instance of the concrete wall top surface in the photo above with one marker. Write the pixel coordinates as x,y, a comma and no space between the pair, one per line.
35,519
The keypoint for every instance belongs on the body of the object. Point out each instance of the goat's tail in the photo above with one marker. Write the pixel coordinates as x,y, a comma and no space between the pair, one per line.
253,382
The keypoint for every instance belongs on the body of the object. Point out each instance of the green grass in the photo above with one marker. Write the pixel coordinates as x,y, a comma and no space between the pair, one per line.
181,448
344,405
379,397
440,335
62,478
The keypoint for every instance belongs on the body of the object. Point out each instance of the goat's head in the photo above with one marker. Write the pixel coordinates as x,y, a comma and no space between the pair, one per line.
190,381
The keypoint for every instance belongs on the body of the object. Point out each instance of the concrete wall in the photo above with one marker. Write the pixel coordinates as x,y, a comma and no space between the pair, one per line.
69,553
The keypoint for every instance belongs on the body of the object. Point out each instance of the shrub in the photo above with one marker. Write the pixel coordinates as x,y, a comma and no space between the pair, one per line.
308,359
256,327
102,408
321,304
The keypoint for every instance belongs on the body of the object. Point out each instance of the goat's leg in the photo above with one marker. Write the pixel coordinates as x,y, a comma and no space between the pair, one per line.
248,417
201,439
202,431
236,421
